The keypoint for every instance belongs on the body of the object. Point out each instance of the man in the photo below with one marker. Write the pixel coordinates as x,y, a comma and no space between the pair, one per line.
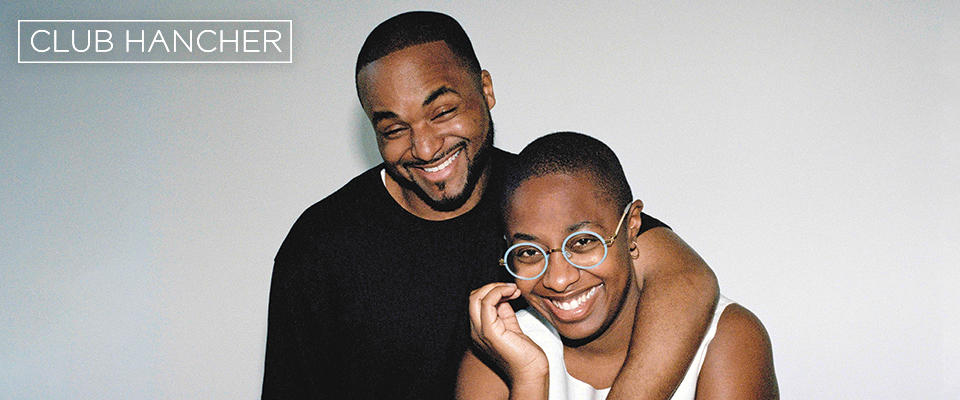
370,287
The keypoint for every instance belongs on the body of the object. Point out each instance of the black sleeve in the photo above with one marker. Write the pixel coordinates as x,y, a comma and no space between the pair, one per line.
292,356
298,361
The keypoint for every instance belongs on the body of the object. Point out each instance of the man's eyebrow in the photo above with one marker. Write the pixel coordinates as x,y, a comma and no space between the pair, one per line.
437,93
381,115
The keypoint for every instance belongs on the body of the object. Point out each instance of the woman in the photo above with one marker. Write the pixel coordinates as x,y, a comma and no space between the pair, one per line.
570,220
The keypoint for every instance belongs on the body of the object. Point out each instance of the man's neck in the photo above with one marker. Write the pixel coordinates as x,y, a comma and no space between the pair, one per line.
415,205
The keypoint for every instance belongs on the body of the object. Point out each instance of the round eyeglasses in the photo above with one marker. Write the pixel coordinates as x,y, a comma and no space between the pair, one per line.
582,249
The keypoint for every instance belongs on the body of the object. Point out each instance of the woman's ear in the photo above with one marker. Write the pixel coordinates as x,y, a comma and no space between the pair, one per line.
634,218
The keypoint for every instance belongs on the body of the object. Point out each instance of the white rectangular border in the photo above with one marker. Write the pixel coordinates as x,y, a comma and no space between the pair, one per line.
288,21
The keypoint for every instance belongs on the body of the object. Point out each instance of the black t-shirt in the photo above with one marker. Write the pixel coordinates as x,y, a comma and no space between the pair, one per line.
370,301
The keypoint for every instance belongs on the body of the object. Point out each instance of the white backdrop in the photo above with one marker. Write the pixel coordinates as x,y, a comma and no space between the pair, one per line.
808,151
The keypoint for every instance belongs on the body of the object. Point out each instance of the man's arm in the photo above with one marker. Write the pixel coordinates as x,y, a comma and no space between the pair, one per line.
299,352
676,305
286,362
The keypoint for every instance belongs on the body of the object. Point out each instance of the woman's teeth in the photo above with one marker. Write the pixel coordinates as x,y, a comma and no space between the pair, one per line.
445,163
576,302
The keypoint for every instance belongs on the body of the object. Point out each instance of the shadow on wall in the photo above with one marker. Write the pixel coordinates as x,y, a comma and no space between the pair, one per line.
366,140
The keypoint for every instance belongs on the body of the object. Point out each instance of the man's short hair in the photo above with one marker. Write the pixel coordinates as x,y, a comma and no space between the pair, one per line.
418,27
570,153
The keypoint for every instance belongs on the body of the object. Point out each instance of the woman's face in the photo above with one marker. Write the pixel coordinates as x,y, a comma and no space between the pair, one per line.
579,303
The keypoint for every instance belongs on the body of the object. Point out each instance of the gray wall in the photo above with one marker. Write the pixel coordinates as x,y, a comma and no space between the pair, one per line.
807,150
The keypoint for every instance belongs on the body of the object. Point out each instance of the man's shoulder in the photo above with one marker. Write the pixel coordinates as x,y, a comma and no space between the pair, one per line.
329,217
349,198
500,161
500,155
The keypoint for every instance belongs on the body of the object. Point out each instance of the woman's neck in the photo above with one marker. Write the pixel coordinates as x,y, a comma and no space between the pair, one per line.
598,361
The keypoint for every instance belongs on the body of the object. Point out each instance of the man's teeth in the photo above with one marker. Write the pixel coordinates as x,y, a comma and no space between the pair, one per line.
445,163
577,302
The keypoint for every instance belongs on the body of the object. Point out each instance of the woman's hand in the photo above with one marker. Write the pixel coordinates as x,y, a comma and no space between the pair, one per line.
496,331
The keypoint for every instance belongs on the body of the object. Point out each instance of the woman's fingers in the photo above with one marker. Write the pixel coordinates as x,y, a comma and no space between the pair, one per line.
486,305
496,331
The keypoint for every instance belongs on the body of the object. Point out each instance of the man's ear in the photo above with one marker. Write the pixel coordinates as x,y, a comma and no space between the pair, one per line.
634,218
486,85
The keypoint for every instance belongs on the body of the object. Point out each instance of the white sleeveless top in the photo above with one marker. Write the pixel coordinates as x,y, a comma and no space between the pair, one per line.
565,387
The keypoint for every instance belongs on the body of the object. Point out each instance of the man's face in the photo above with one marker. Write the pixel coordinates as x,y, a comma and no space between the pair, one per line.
432,121
579,303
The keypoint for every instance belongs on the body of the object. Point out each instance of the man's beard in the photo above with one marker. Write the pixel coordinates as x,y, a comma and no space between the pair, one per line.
474,172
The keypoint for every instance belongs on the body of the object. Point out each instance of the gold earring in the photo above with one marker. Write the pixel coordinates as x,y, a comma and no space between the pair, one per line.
634,251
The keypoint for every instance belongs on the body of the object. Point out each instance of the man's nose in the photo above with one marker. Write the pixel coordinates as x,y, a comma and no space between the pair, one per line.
425,142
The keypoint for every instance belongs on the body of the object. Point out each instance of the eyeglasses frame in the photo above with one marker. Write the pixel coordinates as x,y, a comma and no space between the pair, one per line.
546,253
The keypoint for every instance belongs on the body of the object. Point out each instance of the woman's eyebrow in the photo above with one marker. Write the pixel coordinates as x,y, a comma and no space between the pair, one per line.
578,226
524,237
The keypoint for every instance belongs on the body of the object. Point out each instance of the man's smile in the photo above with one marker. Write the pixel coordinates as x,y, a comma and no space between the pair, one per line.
444,164
439,171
